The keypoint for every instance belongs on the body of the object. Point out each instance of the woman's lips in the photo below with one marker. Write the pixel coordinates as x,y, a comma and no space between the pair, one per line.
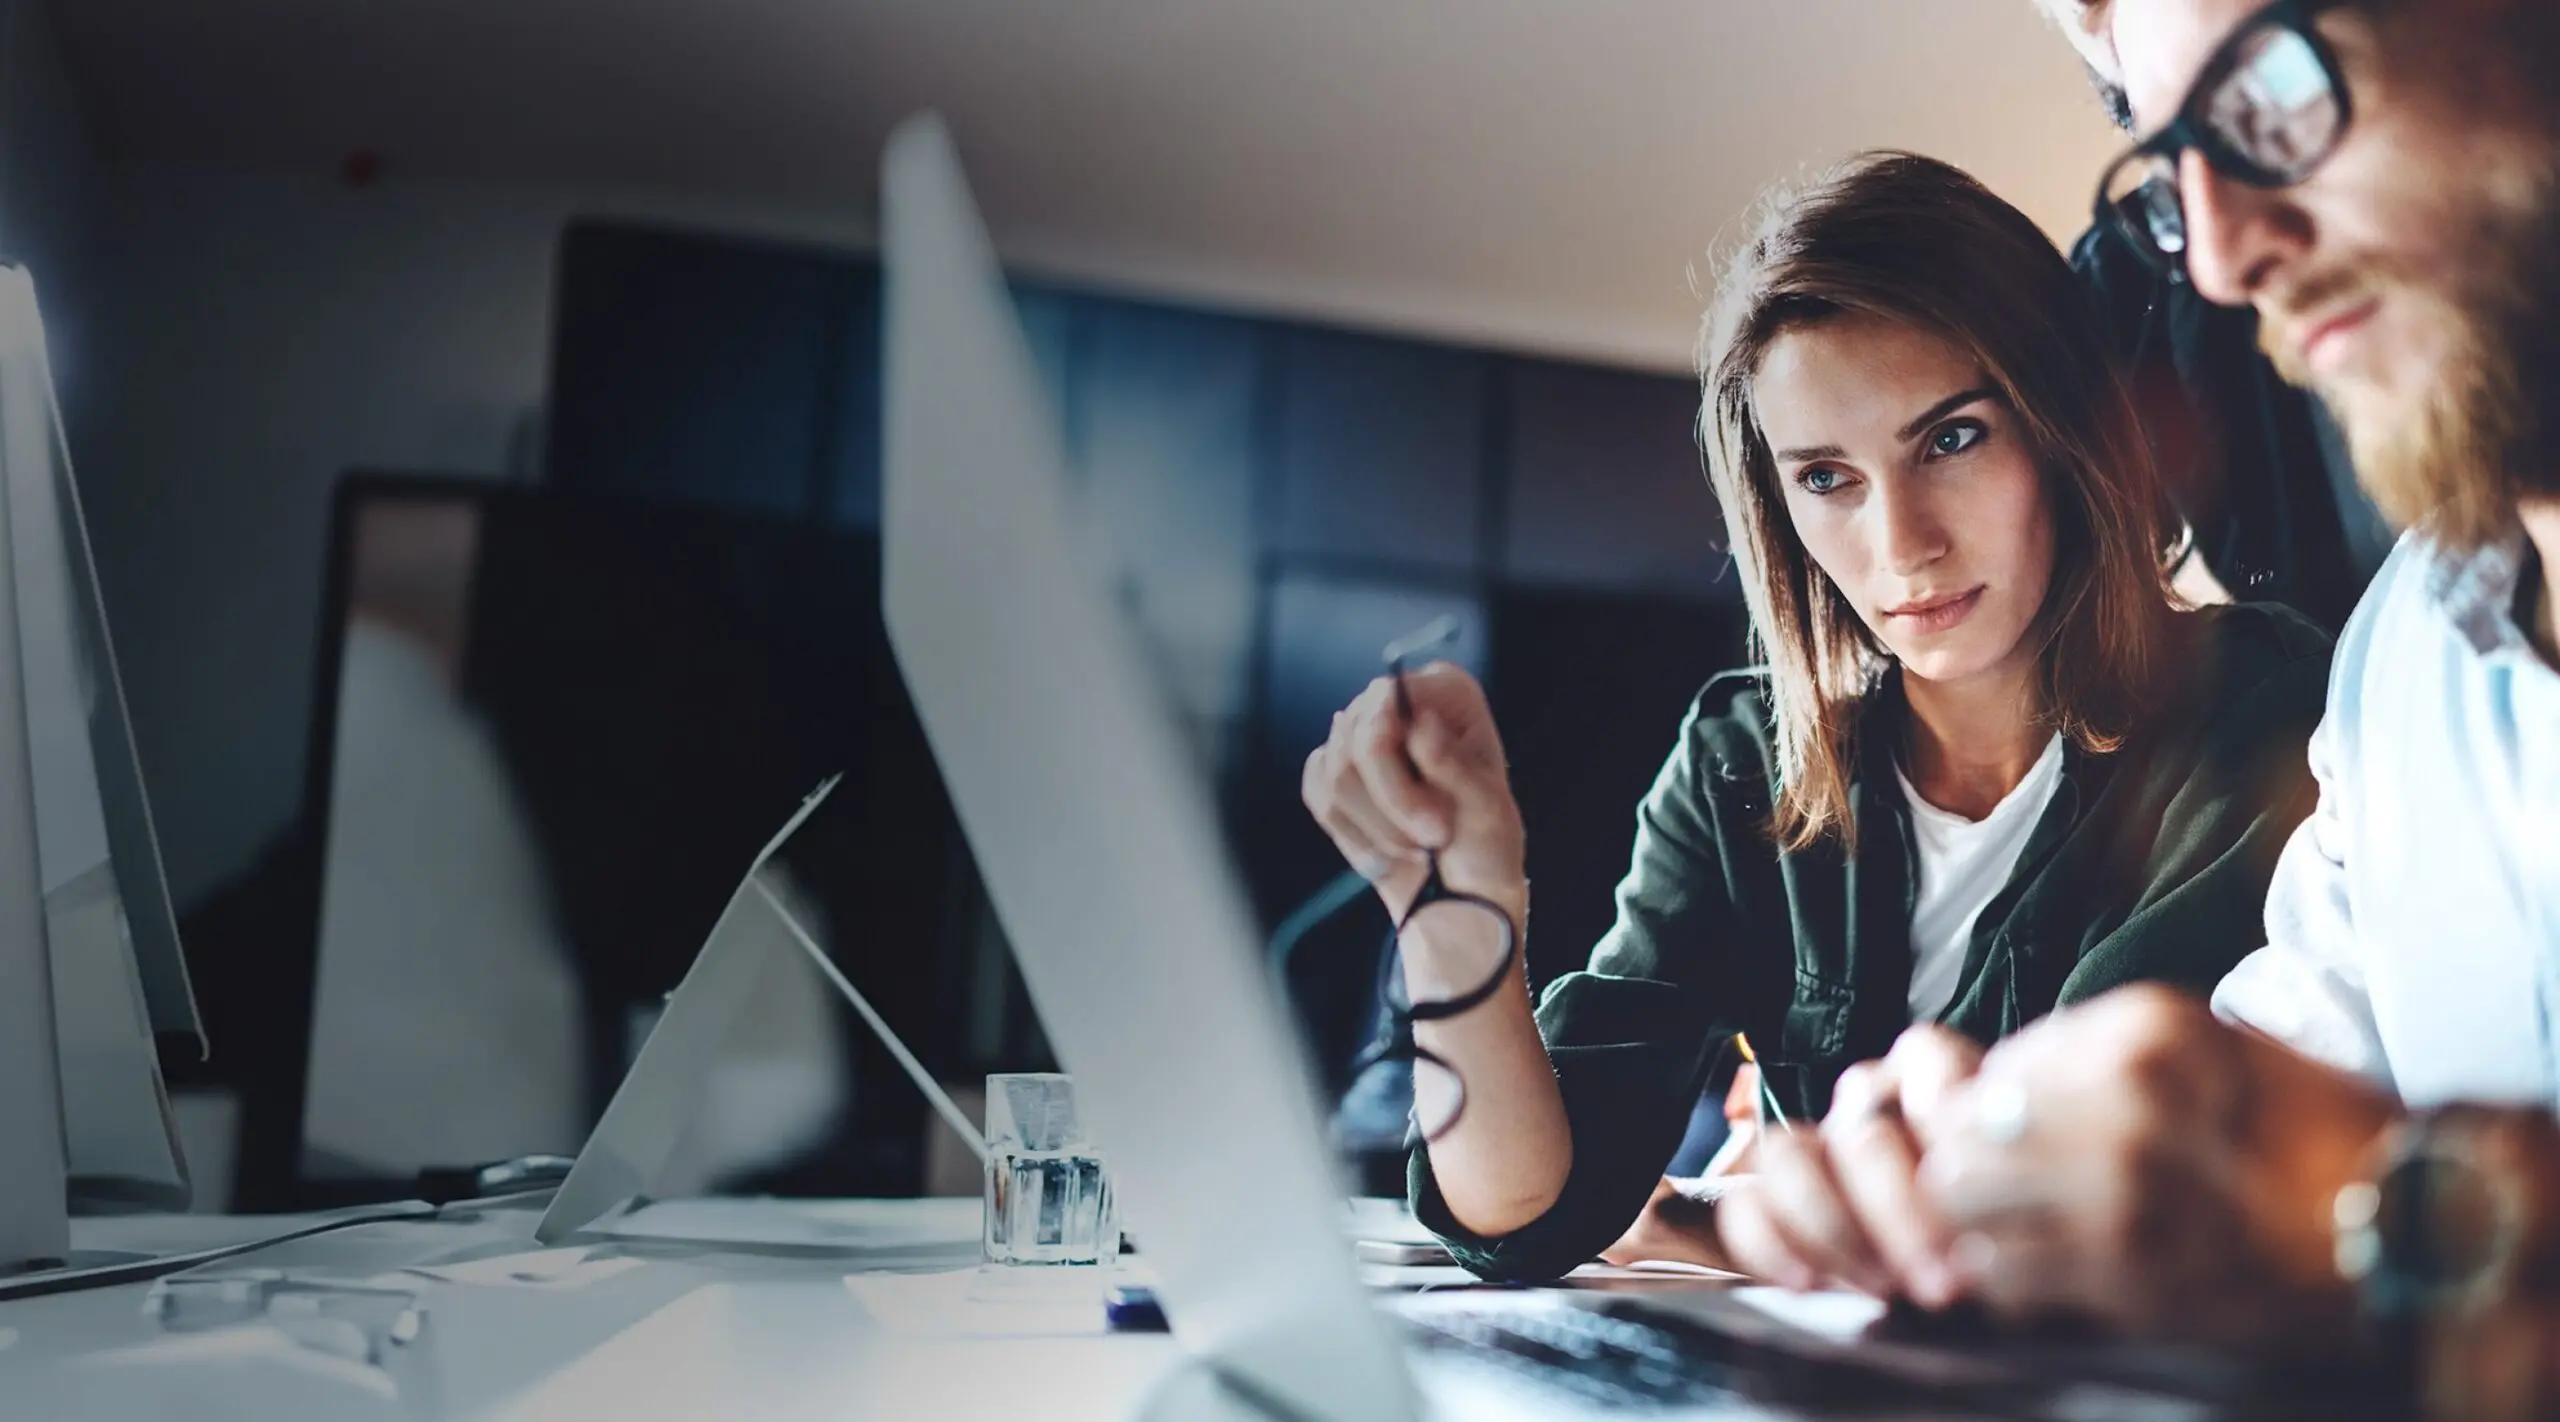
1935,614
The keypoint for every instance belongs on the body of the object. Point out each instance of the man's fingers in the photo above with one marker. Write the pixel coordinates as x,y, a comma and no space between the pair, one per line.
2025,1269
1974,1184
1876,1162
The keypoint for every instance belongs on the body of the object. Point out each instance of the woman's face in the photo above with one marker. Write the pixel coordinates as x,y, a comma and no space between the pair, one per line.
1912,487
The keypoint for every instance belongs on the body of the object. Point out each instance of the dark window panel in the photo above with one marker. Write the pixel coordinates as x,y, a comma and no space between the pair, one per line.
1165,408
1590,688
699,370
1607,490
851,453
1380,450
1325,636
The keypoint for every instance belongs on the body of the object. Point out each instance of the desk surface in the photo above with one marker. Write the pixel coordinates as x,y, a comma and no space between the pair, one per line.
633,1328
766,1309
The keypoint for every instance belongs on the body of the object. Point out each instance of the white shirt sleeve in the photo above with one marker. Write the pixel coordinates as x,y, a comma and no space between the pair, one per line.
2306,988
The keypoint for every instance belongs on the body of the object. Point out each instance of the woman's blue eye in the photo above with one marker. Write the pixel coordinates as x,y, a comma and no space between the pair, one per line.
1956,437
1819,480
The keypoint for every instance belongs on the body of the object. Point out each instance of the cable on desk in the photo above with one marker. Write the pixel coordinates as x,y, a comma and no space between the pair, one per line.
75,1279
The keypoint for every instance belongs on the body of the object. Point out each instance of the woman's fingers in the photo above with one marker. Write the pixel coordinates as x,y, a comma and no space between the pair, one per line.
1811,1213
1339,798
1755,1242
1375,745
1877,1164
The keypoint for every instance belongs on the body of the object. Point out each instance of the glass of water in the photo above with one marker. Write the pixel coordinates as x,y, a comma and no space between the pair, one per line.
1048,1193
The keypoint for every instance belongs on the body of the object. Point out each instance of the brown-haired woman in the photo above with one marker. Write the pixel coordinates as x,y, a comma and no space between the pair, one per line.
1988,768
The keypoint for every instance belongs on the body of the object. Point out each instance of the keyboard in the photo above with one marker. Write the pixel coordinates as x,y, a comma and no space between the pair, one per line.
1618,1355
1603,1354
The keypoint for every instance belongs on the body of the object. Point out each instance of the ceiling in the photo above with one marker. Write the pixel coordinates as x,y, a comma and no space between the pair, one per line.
1539,175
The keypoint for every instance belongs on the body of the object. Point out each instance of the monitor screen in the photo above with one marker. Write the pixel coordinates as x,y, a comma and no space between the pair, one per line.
558,727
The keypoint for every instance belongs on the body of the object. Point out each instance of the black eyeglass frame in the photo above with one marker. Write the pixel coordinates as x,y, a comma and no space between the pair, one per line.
1396,1042
2187,128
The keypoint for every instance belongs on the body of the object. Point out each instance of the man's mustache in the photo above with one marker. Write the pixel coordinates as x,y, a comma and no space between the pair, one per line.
2306,300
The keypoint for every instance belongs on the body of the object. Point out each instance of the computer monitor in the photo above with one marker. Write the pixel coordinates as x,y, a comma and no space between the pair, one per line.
550,729
1099,835
90,963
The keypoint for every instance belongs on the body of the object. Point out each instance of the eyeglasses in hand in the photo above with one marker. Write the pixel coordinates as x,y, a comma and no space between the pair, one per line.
1451,952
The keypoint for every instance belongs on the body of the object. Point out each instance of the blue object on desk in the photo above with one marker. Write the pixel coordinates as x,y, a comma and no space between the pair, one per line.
1132,1308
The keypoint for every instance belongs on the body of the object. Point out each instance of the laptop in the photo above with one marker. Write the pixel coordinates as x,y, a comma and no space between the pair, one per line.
1100,845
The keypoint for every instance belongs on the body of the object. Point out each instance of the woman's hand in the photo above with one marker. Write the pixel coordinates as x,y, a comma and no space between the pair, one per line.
1387,791
1841,1206
1678,1224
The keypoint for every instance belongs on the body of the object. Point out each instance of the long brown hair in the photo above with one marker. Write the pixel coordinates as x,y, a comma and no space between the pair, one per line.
1919,242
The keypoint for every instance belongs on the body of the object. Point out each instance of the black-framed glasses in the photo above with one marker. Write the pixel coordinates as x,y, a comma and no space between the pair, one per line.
1458,946
2268,107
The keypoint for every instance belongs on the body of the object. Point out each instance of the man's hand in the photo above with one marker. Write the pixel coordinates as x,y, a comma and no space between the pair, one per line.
2136,1161
1840,1206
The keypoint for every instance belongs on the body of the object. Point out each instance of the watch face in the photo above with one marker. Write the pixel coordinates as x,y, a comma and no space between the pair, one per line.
2444,1228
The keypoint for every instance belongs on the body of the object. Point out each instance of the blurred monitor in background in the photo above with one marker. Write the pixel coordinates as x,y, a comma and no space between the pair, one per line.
447,1025
550,731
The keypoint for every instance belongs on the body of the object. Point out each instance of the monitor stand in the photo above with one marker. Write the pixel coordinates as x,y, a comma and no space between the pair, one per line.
89,957
645,1122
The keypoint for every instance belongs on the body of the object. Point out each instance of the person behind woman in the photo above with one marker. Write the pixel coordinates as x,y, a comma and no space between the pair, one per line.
1987,769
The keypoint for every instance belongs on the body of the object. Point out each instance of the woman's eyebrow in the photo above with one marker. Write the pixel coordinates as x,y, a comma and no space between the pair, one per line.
1944,408
1911,431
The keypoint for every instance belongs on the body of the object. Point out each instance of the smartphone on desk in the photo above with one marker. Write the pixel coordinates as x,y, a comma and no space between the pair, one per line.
1401,1252
1133,1308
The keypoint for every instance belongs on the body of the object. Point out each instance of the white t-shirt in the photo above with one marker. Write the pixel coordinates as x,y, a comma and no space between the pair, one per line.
1964,864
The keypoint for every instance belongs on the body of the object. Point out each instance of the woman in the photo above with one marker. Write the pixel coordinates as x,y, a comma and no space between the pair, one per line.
1987,769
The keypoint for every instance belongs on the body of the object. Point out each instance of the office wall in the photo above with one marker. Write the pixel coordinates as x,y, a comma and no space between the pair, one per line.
257,334
254,334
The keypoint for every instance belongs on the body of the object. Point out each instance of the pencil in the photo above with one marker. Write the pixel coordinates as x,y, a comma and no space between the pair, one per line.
1768,1107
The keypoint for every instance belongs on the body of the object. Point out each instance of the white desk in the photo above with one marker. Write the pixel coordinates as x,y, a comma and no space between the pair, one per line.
675,1332
842,1309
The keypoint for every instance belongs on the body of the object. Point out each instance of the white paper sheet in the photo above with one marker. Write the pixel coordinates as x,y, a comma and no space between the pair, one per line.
1835,1314
573,1268
990,1303
856,1225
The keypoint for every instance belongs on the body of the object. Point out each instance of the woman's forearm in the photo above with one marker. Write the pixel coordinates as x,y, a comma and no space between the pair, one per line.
1503,1163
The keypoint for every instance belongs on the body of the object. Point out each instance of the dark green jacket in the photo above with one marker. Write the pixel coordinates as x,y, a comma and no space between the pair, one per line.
2151,863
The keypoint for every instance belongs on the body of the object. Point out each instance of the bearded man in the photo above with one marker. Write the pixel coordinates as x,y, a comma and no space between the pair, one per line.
2357,1143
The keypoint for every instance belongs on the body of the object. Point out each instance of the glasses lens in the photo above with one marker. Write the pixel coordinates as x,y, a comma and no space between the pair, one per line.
1449,950
1438,1097
2142,198
2276,108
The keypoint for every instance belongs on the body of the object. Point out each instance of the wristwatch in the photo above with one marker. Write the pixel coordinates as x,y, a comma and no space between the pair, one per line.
2434,1230
2431,1239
